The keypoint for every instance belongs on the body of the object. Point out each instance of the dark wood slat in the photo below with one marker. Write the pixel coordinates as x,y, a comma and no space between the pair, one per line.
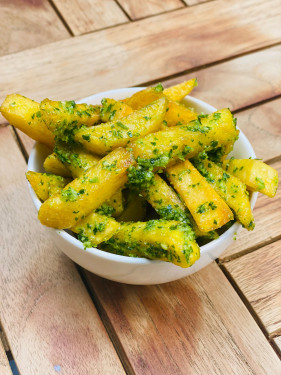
142,9
258,276
181,327
49,319
28,24
84,16
268,225
168,44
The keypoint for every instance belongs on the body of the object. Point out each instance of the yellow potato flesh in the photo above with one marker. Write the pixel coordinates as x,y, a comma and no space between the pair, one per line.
87,192
68,114
178,92
114,110
209,211
25,114
156,239
106,137
95,229
46,185
231,189
52,164
165,147
257,175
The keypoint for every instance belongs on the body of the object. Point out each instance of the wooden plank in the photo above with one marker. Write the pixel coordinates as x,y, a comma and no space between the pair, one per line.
240,82
48,317
181,327
267,229
277,342
253,78
258,276
5,368
112,58
85,16
261,125
138,9
28,24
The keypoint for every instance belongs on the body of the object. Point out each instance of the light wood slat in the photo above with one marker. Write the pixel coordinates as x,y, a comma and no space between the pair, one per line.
28,24
195,2
239,82
5,368
268,225
234,84
167,44
28,143
262,127
141,9
48,317
84,16
197,325
258,276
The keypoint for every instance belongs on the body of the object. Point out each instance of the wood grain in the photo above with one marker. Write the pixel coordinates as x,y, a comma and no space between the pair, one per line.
268,225
85,16
48,317
239,82
277,342
258,276
261,125
112,58
28,24
181,327
3,339
139,9
5,368
253,78
195,2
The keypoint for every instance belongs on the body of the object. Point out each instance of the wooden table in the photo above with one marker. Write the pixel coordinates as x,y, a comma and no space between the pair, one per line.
59,319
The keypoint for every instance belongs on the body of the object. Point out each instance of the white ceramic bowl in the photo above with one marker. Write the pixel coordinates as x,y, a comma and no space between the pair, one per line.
138,270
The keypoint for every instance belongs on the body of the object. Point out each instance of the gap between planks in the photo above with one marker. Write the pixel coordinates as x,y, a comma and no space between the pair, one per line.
60,16
107,324
208,65
250,308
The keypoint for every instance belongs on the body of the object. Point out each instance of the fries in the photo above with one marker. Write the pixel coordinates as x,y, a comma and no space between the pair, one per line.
145,176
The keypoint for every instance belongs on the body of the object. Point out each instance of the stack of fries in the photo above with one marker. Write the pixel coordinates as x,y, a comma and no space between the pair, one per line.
145,176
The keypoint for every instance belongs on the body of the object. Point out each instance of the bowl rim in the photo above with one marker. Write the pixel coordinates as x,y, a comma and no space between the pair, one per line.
231,232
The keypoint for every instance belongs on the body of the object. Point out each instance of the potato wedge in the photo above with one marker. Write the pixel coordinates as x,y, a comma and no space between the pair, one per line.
232,190
144,97
168,205
178,92
156,239
63,118
46,185
103,138
257,175
75,159
52,164
87,192
216,131
113,110
178,114
25,114
208,209
95,229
